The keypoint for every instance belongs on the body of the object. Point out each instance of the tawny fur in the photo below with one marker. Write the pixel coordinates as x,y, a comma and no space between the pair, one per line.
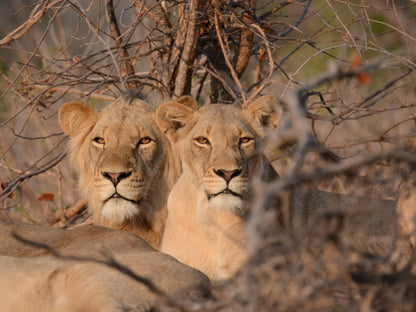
205,227
31,279
109,142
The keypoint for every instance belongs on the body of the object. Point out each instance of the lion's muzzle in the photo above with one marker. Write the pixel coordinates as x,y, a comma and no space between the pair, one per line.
116,195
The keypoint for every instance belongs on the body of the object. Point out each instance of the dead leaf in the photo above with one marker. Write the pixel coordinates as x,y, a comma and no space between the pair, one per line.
356,61
46,197
364,78
3,186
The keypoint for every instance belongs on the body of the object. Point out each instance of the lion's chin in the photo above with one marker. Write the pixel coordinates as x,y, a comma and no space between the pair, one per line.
227,202
119,210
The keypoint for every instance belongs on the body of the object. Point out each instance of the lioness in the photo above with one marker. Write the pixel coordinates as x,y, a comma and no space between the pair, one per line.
31,279
125,164
220,148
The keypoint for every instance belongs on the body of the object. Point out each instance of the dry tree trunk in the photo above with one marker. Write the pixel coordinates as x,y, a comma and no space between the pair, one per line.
186,48
127,70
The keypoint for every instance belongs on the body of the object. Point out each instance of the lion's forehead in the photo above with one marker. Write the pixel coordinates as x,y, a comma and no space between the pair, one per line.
125,128
220,111
222,123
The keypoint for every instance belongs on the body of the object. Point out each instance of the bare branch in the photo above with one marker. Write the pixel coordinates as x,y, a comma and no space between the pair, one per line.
21,179
183,78
37,13
244,53
224,52
127,67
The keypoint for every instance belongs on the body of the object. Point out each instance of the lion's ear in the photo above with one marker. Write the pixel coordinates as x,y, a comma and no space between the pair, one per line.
75,116
171,116
265,111
188,101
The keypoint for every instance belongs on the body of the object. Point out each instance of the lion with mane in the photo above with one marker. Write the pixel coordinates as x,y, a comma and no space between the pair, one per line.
125,164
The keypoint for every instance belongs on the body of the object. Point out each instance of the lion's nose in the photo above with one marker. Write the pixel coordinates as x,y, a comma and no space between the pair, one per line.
116,177
227,175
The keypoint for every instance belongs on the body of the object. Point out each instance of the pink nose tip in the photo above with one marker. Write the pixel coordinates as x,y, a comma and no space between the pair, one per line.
116,177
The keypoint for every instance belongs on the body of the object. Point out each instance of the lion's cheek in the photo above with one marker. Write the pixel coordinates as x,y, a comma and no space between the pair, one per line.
197,159
148,169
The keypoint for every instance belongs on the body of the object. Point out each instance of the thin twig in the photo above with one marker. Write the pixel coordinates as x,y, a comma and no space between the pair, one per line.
35,17
224,52
21,179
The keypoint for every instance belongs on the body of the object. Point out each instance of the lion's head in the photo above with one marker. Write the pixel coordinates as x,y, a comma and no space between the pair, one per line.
221,151
220,147
124,162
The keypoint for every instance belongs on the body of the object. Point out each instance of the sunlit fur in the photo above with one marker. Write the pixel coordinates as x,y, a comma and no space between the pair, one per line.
205,226
119,210
229,202
109,142
32,280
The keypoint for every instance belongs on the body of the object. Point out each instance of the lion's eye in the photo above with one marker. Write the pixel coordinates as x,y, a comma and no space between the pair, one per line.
99,140
145,140
245,140
202,140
